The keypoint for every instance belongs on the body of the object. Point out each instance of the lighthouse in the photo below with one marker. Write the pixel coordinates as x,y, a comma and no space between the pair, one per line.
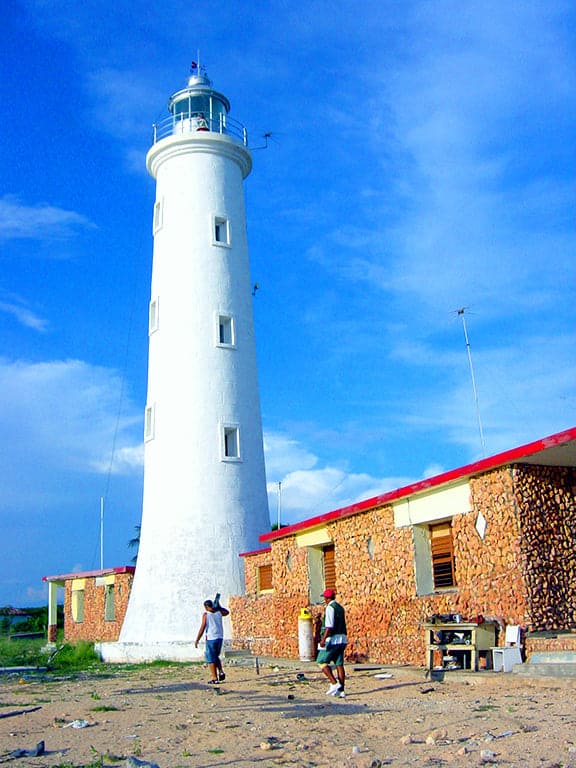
204,499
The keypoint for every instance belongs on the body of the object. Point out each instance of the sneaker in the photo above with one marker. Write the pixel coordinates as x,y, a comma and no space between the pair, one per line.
341,694
212,682
221,677
333,690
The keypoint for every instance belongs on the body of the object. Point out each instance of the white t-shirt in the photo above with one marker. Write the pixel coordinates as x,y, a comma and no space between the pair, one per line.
214,628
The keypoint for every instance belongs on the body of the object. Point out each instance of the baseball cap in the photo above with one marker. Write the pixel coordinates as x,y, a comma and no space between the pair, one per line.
329,593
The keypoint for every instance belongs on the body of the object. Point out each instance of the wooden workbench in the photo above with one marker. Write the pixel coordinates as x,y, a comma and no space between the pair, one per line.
474,639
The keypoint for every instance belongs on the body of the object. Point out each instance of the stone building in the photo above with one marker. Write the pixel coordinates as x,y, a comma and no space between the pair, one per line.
495,538
95,603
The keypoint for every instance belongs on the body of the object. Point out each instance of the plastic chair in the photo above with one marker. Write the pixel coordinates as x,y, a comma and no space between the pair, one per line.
503,659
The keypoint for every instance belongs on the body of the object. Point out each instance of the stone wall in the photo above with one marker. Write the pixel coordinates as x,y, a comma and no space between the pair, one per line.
546,500
376,574
95,627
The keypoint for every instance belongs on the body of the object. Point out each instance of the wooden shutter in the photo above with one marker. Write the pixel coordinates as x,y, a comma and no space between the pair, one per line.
265,578
329,567
442,555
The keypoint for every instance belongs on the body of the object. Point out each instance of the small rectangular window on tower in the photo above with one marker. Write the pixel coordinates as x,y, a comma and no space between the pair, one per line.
221,231
158,216
225,331
153,316
231,442
149,419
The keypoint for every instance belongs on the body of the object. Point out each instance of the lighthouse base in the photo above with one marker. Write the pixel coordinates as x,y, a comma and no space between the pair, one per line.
122,653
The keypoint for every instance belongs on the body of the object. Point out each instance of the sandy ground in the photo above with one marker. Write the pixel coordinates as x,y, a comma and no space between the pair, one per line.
169,716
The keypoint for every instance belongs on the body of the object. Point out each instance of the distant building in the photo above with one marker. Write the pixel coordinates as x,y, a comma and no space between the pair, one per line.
496,539
95,603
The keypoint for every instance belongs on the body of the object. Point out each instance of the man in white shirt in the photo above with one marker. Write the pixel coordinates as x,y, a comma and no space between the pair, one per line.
212,625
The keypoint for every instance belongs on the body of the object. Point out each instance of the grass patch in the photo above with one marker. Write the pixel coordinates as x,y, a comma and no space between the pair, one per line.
22,653
104,708
81,655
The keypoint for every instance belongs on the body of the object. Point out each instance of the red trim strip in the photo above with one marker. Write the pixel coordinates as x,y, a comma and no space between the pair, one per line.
88,574
255,551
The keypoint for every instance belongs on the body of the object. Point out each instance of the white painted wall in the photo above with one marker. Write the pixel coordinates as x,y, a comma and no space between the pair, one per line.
199,511
438,504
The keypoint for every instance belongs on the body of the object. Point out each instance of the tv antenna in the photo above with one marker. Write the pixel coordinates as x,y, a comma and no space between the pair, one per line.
461,312
265,136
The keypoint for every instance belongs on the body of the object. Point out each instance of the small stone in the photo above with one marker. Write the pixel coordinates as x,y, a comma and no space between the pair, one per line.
407,739
487,756
355,750
265,745
438,734
462,751
430,740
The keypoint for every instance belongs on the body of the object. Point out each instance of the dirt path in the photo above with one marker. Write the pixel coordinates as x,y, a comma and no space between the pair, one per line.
169,716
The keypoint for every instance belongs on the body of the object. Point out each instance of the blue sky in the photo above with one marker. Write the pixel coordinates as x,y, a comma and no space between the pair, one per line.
421,159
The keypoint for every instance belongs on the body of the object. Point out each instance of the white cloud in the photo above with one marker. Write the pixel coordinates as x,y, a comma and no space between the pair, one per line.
125,460
16,307
308,489
124,101
520,399
284,454
38,222
60,420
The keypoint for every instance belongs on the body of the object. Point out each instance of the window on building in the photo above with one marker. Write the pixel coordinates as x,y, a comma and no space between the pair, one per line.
231,442
442,550
265,578
149,422
434,563
221,231
225,330
78,605
153,316
109,602
329,567
321,570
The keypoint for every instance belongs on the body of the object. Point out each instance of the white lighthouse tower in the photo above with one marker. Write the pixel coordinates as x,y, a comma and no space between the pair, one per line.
205,495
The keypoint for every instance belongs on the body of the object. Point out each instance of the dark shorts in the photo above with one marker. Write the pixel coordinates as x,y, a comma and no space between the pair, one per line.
213,648
331,654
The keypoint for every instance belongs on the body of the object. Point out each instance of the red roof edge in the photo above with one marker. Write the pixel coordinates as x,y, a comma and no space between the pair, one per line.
506,457
88,574
255,552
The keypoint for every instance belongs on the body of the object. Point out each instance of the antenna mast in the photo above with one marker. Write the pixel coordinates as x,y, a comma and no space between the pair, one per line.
101,533
460,312
279,510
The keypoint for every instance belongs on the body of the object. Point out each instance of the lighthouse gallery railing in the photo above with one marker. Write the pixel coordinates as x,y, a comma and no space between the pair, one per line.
190,123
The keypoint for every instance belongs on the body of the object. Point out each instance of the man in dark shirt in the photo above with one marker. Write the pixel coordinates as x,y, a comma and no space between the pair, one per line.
333,643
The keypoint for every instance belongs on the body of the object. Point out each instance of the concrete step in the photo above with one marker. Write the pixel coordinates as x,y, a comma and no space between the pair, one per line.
553,657
547,669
